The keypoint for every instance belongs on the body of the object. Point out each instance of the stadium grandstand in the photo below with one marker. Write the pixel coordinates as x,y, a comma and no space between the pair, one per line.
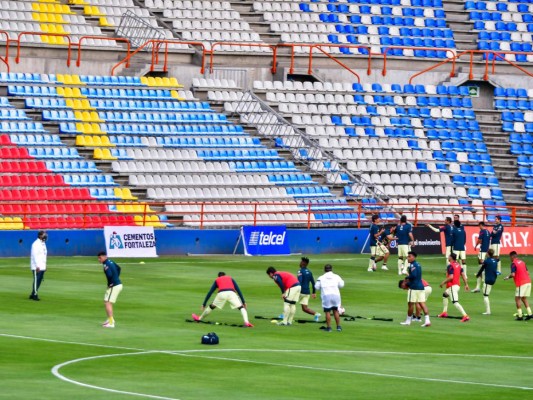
193,114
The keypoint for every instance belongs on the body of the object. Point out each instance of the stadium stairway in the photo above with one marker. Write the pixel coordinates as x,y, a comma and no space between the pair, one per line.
459,22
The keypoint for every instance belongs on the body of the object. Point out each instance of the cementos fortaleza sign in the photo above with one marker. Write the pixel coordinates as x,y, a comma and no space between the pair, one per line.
130,241
265,240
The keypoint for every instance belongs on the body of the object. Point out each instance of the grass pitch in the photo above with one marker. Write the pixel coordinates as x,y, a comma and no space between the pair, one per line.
56,348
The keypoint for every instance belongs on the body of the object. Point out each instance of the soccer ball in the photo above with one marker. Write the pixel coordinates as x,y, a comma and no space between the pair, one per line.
341,310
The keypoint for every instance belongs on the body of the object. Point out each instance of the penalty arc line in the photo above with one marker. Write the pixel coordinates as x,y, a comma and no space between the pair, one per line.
57,374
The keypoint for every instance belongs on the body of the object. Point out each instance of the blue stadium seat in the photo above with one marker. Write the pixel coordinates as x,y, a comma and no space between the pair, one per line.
473,193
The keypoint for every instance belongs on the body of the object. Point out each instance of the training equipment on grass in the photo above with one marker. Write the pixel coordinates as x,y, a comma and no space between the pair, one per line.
210,338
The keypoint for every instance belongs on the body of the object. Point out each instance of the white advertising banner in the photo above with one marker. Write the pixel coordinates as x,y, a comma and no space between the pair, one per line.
130,241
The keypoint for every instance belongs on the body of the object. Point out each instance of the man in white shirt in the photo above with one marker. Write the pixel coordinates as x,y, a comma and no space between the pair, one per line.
38,262
329,285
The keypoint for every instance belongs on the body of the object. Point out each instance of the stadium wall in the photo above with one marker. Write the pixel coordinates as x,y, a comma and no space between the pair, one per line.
181,242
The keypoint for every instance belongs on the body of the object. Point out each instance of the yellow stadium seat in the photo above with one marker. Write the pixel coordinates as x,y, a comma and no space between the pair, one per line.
104,22
107,155
126,194
45,39
97,141
138,219
80,140
60,78
76,92
98,154
154,221
18,224
144,80
174,82
104,139
175,95
38,17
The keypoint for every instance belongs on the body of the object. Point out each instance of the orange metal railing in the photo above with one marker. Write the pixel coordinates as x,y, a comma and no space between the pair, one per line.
471,53
114,39
205,214
155,50
5,59
63,35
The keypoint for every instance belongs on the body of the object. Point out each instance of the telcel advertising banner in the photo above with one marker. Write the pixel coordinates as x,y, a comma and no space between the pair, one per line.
265,240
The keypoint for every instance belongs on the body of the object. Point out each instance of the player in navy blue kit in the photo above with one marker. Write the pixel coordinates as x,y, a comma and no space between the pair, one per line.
114,287
483,242
495,241
375,231
459,242
489,270
306,279
448,238
416,293
404,239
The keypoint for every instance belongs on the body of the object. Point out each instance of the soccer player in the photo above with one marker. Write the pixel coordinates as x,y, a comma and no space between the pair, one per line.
227,292
483,241
382,246
454,273
427,290
305,277
375,232
404,239
447,229
488,270
495,241
114,287
290,293
329,285
415,293
459,242
38,263
522,280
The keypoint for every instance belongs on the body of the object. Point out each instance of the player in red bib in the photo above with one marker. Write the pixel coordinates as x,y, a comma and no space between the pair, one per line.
227,292
290,292
522,281
454,272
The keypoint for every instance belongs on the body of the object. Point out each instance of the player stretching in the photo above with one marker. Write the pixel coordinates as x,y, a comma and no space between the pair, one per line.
495,241
404,239
488,271
305,277
483,241
454,273
447,229
290,289
459,242
227,292
416,294
522,281
375,231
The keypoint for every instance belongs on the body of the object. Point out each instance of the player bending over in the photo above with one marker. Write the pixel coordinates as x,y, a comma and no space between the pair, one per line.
227,292
454,272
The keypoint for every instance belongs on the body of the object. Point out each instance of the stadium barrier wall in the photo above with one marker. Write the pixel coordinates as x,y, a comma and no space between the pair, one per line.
181,242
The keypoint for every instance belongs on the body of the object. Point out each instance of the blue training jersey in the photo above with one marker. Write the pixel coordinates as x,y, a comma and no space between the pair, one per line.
402,233
374,229
459,238
496,235
415,276
448,237
305,277
490,266
112,273
484,237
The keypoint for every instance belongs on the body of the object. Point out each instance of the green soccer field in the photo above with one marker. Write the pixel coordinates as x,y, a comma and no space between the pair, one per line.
57,349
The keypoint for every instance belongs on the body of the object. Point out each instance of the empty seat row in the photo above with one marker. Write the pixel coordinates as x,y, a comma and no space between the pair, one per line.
266,154
32,180
200,193
470,180
199,180
13,152
89,180
53,152
45,194
38,139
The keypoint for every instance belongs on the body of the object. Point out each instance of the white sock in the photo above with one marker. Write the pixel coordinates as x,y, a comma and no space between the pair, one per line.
286,312
478,283
371,263
460,308
400,266
445,304
487,303
244,315
426,319
292,312
206,312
